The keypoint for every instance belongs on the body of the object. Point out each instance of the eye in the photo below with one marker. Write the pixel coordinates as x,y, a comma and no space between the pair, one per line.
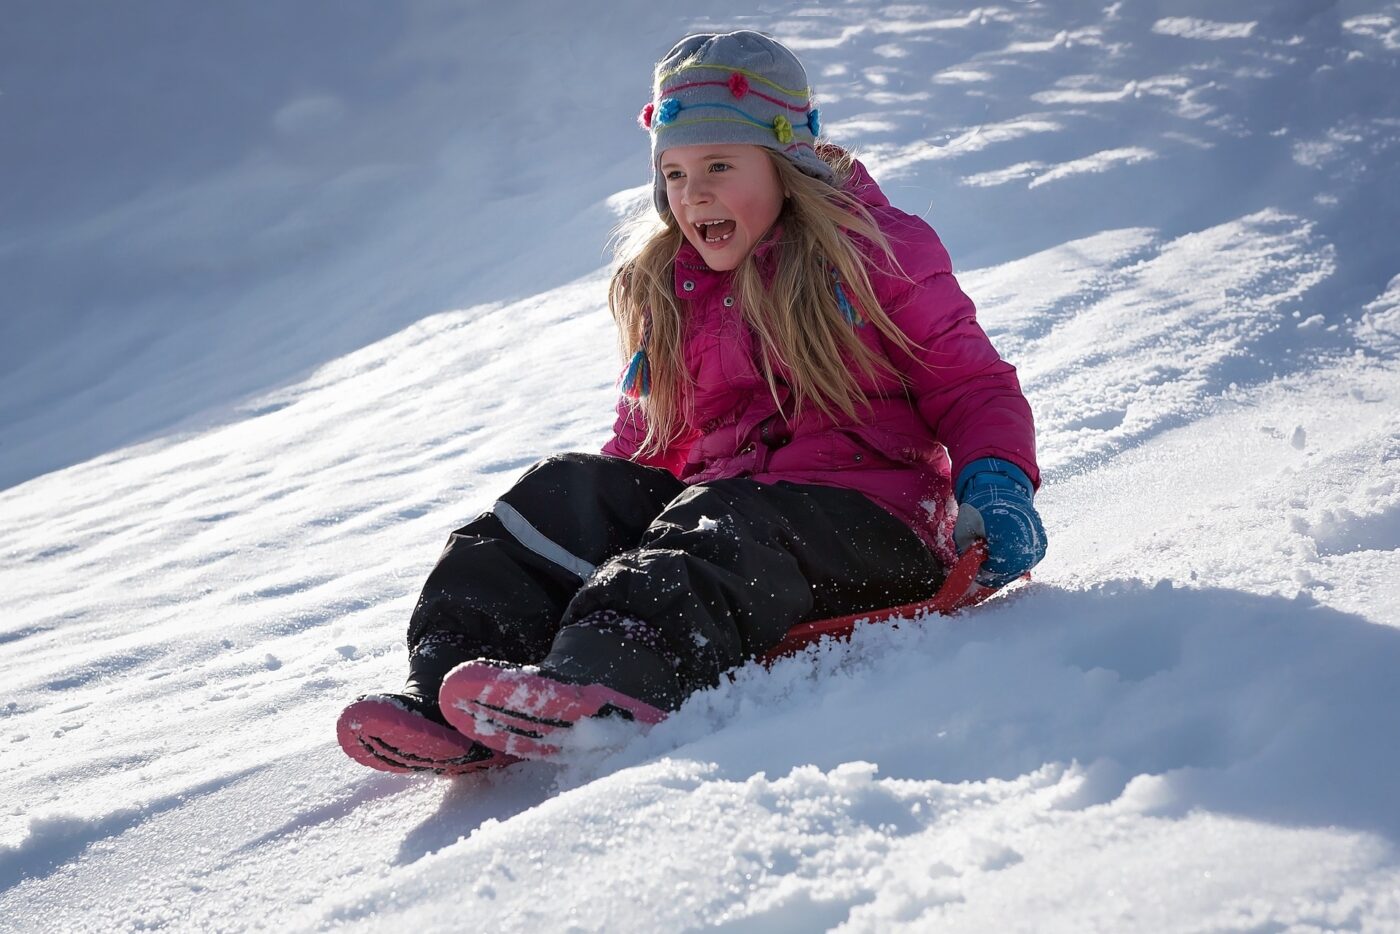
720,166
674,174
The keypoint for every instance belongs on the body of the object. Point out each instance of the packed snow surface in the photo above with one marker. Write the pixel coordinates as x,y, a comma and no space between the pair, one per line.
290,293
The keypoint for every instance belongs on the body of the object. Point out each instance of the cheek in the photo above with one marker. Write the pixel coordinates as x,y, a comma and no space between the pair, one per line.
764,208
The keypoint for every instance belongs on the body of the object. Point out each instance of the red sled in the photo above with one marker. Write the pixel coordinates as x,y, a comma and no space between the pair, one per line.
960,589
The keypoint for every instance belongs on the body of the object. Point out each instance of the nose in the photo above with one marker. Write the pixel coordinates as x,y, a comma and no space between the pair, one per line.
696,191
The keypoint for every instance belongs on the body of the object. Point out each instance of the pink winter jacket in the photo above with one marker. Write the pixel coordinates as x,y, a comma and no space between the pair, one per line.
962,402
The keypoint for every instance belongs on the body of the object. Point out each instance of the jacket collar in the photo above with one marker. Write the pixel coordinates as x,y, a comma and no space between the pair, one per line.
691,267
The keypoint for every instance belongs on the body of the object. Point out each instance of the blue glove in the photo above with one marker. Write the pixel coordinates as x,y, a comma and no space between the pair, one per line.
994,502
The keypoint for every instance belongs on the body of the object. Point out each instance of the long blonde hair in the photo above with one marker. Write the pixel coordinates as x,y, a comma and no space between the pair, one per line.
797,319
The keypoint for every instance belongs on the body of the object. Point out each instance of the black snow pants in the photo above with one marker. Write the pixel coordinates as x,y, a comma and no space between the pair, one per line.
720,570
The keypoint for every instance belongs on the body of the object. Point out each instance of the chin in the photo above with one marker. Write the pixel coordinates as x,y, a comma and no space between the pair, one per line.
723,261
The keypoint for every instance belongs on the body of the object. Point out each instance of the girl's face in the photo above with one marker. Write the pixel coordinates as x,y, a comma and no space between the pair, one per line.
724,196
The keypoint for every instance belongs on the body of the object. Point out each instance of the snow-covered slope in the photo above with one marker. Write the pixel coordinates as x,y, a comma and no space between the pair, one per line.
1176,226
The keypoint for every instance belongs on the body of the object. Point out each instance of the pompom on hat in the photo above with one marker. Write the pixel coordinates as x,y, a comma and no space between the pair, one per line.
737,87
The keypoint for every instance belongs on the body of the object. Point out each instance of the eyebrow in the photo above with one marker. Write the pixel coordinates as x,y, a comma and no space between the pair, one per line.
705,158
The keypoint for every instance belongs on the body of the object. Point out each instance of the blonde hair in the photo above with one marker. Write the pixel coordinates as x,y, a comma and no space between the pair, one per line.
797,319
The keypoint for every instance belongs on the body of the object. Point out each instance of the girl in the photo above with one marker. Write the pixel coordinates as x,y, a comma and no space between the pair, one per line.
812,424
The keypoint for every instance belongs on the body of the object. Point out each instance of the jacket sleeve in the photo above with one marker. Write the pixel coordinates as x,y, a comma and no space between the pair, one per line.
962,388
630,429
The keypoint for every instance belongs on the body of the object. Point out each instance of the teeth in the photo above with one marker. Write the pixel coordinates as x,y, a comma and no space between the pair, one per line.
703,225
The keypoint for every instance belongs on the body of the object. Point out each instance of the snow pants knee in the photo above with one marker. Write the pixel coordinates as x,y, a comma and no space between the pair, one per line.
720,570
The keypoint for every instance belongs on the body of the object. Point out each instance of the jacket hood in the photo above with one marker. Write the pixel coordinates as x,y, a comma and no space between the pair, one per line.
862,186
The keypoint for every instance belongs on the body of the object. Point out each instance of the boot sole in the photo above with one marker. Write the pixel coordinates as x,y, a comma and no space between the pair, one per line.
520,712
379,733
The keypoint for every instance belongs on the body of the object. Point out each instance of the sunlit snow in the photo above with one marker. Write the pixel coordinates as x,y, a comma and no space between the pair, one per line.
289,292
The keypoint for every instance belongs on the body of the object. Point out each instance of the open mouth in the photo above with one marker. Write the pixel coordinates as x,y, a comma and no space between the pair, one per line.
715,231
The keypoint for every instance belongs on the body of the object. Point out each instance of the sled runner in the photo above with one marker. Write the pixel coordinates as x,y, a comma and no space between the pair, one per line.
960,589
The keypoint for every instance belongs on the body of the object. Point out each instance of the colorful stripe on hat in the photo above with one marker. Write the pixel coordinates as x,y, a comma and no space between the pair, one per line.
746,73
665,111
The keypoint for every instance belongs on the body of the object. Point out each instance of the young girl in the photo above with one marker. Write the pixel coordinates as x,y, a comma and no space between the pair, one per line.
809,407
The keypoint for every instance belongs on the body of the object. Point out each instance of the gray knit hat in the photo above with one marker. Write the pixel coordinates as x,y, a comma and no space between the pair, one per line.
737,87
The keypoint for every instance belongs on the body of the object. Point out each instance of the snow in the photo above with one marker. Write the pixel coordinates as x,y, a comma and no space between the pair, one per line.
289,295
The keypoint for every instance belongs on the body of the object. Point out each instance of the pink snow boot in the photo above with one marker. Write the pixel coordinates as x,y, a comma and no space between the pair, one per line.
395,733
590,671
405,732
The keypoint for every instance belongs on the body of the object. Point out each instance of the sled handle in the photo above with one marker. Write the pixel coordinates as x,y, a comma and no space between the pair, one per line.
959,587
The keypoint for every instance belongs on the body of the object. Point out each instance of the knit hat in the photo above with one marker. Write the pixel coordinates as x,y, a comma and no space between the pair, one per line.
737,87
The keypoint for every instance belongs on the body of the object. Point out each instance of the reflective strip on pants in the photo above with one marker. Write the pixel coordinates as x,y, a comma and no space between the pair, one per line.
535,540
